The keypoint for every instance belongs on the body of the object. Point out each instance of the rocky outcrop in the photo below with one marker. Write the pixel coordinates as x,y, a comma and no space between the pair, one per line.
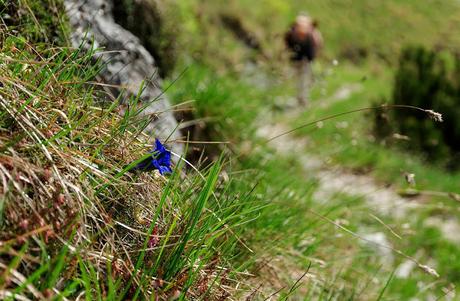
126,62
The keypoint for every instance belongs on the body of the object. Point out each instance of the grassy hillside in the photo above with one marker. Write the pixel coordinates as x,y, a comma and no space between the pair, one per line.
251,90
74,222
354,30
253,220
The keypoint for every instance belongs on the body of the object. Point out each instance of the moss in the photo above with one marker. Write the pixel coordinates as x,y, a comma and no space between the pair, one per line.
38,21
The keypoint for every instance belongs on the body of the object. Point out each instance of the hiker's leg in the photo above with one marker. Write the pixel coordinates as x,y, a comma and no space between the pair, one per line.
308,79
303,78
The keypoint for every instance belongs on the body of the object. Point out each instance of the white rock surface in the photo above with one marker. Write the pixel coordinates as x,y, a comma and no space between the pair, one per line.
127,64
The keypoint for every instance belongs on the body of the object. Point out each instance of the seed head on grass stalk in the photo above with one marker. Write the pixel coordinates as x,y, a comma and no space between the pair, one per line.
432,114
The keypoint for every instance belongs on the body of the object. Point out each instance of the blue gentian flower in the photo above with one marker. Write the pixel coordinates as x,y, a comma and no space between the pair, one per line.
160,159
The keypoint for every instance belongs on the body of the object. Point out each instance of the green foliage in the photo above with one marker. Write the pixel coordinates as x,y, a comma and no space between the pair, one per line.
228,103
36,20
425,79
203,223
73,221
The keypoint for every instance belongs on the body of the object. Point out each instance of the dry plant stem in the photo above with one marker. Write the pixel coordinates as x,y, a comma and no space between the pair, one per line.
425,268
26,235
350,112
202,142
433,115
20,279
385,225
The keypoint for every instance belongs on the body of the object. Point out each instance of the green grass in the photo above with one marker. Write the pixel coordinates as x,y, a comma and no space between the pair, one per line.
74,221
234,95
288,229
248,221
388,162
352,30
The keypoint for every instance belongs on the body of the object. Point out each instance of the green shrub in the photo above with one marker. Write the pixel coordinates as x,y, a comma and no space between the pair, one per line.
429,80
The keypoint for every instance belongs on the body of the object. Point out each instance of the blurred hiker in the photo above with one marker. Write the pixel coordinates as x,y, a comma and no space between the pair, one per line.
304,40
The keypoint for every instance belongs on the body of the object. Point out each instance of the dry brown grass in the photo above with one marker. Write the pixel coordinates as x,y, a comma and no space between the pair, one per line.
72,219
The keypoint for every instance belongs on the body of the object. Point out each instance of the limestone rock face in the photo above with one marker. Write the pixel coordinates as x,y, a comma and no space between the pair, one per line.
127,64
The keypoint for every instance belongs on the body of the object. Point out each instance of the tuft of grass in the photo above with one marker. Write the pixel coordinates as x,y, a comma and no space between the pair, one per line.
74,223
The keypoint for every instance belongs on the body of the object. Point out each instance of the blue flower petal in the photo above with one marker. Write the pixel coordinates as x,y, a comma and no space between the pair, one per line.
165,169
160,159
164,159
159,147
155,163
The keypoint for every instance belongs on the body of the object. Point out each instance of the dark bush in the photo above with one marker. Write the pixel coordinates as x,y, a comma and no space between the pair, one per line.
429,80
144,20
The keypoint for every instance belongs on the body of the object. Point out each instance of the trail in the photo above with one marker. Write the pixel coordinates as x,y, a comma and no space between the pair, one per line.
334,180
381,199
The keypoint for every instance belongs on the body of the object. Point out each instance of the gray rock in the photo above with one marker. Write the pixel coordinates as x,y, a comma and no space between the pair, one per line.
127,63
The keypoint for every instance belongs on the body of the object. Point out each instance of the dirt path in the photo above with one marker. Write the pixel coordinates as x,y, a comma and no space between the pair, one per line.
380,198
341,94
334,180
